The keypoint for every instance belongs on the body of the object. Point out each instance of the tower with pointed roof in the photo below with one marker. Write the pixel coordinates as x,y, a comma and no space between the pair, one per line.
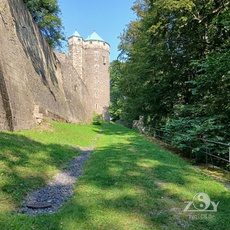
75,52
90,57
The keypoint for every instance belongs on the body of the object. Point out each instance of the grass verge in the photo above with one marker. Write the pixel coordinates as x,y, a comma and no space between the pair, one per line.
128,183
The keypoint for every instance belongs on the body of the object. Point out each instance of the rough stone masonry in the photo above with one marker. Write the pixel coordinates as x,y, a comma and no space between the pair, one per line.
34,83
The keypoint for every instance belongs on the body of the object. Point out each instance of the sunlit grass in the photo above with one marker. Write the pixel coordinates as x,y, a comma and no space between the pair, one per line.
64,133
128,182
29,158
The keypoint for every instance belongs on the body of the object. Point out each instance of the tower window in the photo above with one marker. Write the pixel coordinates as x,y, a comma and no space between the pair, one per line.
97,80
96,56
96,68
104,60
96,106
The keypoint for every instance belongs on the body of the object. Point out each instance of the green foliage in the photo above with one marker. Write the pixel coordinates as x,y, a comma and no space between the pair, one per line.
176,69
46,14
185,134
97,119
212,85
115,95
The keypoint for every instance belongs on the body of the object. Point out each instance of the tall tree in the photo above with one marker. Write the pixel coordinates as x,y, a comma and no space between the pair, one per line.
176,71
46,14
116,97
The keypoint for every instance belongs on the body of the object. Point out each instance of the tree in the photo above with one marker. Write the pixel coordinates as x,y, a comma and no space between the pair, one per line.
46,14
115,95
176,66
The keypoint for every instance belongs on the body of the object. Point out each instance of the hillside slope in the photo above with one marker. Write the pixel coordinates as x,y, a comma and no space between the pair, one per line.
128,182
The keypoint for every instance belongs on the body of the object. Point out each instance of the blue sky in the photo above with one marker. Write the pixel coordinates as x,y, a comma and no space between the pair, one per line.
108,18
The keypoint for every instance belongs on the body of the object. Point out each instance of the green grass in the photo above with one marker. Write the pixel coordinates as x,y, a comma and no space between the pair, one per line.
128,183
29,158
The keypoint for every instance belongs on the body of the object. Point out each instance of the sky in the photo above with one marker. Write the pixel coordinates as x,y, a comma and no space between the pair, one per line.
107,17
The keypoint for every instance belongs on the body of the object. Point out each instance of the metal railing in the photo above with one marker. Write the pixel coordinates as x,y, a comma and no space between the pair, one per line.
215,158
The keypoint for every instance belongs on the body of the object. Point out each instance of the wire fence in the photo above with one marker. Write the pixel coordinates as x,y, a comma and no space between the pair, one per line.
213,152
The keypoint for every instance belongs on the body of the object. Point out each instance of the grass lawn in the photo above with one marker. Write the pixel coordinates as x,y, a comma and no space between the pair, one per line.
128,183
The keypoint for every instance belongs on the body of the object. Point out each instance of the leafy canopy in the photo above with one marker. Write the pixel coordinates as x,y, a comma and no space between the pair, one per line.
175,71
46,14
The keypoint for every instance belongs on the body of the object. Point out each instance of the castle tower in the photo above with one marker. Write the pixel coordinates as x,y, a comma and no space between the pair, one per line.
90,57
75,52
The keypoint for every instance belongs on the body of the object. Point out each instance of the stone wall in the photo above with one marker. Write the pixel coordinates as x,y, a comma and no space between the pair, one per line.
96,74
75,53
77,94
33,80
91,60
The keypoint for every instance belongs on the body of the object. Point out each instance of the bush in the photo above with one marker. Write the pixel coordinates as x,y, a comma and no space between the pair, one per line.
185,135
97,119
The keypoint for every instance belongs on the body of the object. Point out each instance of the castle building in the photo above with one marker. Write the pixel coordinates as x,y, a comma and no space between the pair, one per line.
41,84
90,57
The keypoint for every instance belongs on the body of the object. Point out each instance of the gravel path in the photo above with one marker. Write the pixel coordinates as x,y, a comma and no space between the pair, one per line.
58,190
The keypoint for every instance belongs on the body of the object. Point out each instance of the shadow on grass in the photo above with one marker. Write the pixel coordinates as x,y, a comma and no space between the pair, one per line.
138,185
26,164
132,183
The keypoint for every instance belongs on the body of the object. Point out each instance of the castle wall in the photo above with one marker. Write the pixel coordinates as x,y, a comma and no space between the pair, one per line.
96,74
4,103
33,80
75,53
77,94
